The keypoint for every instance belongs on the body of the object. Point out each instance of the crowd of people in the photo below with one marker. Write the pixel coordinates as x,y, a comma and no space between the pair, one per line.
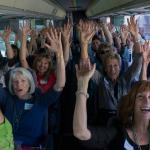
92,92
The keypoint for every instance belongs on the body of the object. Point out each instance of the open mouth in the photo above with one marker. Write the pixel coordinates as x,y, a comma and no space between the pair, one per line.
19,90
145,109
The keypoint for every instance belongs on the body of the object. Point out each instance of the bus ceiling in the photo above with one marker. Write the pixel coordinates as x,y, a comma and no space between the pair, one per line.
96,8
58,8
118,7
31,8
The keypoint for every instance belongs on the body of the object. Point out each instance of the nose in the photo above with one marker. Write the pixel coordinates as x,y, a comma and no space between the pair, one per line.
113,68
18,84
147,99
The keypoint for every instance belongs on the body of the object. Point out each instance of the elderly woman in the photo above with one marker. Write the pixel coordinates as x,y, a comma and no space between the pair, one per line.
129,131
25,107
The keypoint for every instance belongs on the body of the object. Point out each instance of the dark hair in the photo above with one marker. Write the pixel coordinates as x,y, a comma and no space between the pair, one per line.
95,37
127,103
15,49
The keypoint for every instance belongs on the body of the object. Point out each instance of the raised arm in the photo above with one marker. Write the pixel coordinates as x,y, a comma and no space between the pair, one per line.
134,30
66,35
124,34
54,38
80,129
107,33
146,59
87,31
137,60
32,44
23,51
101,32
6,37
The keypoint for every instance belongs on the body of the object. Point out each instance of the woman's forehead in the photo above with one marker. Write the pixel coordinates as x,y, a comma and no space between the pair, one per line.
143,92
19,75
144,88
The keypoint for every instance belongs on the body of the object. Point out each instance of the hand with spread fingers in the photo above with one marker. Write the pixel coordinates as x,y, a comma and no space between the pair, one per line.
124,33
146,52
26,29
87,31
133,27
54,38
6,34
66,30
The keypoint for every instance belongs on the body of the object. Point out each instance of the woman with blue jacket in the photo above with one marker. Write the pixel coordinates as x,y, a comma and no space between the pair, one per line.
25,107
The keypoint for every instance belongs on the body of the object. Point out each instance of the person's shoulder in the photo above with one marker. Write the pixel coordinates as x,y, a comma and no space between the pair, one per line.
115,122
96,76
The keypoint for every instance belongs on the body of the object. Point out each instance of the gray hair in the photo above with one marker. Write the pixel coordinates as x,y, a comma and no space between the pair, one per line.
112,55
24,72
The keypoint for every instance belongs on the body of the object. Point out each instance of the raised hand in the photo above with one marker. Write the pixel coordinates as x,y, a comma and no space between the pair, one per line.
87,30
133,27
6,34
54,38
111,27
66,30
146,52
26,29
124,33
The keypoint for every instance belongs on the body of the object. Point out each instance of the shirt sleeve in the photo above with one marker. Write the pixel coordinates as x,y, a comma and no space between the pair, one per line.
6,136
3,97
101,137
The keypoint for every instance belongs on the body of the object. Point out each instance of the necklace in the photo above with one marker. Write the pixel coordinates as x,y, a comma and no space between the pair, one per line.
137,140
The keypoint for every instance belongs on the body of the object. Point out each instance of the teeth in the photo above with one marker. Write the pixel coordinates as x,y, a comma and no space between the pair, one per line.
145,109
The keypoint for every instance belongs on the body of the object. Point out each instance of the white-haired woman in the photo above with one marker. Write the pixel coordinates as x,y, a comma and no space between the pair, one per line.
26,108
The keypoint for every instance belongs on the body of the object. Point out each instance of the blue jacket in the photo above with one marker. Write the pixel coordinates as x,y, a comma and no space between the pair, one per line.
28,117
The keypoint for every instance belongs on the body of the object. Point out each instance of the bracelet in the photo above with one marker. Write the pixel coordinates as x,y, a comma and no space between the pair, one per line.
137,41
82,93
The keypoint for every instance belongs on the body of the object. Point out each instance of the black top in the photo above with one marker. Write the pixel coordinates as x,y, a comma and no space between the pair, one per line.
130,142
112,137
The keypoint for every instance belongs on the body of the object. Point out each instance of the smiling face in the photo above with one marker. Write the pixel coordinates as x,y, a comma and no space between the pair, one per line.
112,68
42,66
20,85
142,105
